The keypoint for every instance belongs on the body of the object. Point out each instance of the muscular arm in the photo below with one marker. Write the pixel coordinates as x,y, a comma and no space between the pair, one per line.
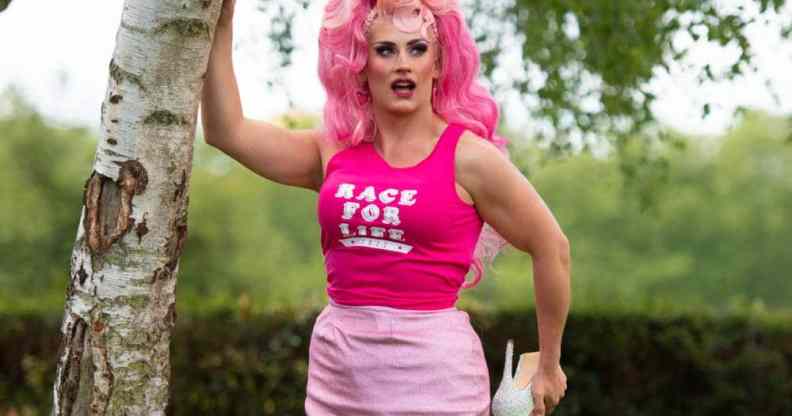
281,155
510,204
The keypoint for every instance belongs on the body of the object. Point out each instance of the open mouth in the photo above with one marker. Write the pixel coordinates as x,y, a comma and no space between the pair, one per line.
403,86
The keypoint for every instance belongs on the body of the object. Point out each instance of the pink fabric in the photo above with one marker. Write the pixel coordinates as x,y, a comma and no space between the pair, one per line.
378,361
397,237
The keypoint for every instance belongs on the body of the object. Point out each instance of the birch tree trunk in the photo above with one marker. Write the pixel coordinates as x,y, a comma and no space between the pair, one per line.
120,303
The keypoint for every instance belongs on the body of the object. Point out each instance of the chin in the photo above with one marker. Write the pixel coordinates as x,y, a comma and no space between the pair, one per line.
402,107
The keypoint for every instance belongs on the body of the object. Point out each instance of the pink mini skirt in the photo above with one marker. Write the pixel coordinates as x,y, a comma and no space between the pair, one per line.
378,360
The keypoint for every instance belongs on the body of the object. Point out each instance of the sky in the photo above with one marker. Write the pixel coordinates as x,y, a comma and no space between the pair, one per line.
57,53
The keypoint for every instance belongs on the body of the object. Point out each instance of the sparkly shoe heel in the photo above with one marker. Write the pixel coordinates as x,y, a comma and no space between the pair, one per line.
510,400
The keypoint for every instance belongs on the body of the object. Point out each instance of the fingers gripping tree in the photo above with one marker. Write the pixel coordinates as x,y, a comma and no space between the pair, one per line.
120,301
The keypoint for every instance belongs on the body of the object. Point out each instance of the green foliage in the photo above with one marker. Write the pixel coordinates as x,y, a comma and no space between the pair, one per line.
247,235
617,364
595,57
42,196
713,242
282,15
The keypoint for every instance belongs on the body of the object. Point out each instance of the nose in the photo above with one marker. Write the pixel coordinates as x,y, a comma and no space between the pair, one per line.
403,70
402,63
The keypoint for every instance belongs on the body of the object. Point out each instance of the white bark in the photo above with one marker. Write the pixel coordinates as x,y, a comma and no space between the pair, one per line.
120,304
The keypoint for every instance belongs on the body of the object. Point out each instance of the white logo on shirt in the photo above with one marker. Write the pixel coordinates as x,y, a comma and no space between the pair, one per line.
391,239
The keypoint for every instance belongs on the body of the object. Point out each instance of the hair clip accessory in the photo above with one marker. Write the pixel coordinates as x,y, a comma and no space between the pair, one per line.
406,15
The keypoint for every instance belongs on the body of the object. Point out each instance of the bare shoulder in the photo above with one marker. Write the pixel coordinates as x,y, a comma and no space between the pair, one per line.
506,199
476,159
327,149
472,148
327,146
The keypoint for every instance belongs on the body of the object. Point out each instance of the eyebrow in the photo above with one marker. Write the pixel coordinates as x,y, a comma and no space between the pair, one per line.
410,43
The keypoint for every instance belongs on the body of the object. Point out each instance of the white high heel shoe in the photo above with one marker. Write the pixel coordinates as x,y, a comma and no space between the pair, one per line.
510,399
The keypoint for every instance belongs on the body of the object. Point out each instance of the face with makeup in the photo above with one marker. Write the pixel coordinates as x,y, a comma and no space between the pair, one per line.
394,55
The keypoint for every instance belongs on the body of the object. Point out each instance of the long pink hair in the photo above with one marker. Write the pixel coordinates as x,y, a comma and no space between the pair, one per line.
459,98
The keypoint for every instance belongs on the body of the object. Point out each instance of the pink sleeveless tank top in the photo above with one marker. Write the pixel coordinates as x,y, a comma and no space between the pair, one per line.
396,236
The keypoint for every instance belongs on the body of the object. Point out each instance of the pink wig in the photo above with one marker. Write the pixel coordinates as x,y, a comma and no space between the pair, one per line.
459,98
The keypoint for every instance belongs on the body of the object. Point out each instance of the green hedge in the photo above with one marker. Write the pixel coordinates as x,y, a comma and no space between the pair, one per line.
617,365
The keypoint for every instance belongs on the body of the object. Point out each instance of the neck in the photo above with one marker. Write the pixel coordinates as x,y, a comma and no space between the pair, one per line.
397,131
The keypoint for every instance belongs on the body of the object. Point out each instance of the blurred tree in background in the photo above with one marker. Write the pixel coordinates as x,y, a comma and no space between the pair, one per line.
714,241
41,167
586,64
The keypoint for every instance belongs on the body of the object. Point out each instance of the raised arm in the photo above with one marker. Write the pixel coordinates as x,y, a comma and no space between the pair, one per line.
276,153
